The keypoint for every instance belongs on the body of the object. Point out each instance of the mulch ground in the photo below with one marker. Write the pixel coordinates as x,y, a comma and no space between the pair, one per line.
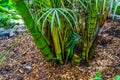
106,59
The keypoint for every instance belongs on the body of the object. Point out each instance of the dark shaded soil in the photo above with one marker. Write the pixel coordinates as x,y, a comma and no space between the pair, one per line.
106,59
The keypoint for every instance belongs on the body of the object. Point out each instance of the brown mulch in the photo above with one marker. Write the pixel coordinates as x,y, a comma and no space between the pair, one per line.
106,59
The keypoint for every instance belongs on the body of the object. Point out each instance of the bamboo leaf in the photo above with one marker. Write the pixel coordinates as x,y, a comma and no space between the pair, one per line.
53,21
82,4
115,9
111,5
73,17
45,19
44,15
66,18
58,19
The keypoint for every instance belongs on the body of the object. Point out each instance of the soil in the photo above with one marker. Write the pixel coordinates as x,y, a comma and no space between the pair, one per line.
25,62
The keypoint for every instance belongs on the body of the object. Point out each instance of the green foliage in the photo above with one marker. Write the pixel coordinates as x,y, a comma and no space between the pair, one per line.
118,9
4,3
4,20
6,13
98,76
117,77
64,30
114,8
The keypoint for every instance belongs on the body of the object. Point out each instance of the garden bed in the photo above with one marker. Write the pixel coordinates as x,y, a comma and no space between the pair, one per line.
24,62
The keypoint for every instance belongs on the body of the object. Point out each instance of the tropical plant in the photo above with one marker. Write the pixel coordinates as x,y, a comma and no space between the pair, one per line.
64,30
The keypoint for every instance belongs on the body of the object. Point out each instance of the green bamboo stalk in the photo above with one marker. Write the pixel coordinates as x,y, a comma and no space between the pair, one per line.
93,28
31,25
57,46
76,59
91,24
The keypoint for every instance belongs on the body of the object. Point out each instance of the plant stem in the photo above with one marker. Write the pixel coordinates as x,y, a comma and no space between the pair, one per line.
31,25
